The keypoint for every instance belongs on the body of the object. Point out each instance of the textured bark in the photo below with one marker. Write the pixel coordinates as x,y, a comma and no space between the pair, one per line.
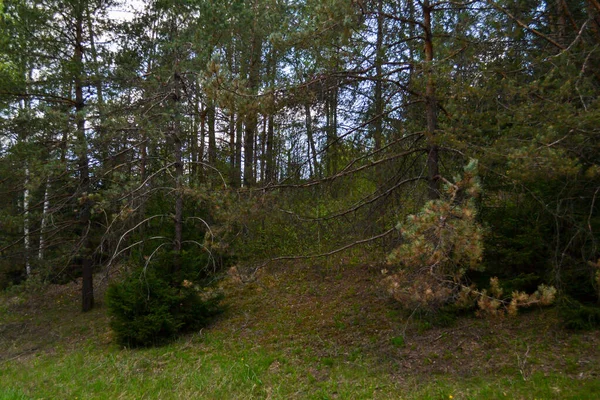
26,237
263,141
331,128
311,140
87,286
270,132
378,122
270,168
44,221
249,131
176,135
430,107
212,140
193,140
239,126
231,134
251,120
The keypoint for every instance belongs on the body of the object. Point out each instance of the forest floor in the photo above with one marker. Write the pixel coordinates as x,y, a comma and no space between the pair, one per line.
321,331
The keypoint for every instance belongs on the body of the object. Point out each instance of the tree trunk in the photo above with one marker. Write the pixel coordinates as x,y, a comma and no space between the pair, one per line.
177,148
193,138
263,141
331,128
231,133
238,150
178,153
251,120
430,107
44,220
379,54
26,237
311,140
202,150
250,128
212,140
270,161
87,286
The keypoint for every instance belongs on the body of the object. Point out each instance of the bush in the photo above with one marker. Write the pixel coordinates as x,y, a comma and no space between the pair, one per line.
578,316
440,244
146,309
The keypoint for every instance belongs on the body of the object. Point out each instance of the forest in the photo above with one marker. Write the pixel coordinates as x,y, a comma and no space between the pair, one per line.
165,162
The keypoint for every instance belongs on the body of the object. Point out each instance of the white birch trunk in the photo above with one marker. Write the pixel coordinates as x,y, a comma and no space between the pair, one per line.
44,221
26,239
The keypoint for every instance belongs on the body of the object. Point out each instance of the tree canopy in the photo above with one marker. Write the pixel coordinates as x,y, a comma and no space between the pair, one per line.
223,132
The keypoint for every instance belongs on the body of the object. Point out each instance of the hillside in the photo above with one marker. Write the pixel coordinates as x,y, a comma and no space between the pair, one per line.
319,331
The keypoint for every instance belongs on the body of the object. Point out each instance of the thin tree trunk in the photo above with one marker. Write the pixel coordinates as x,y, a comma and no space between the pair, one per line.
143,156
26,107
238,150
379,54
263,141
26,237
251,121
311,140
250,128
202,150
212,140
270,162
231,133
430,107
87,287
178,153
177,149
331,127
194,141
44,221
94,54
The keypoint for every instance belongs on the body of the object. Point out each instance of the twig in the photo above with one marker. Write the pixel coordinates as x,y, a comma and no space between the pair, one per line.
330,253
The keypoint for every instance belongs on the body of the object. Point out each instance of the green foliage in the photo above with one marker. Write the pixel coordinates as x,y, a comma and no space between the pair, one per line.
151,306
578,316
11,273
441,244
398,341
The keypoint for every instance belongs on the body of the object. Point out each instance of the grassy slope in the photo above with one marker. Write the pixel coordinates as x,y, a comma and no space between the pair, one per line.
298,331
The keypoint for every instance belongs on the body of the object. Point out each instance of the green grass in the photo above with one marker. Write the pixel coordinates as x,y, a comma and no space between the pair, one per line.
338,340
215,368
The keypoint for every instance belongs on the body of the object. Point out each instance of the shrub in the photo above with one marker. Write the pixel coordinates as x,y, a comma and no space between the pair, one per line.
442,243
147,309
578,316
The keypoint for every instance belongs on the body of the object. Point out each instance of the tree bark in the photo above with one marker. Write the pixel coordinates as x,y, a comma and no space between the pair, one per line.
430,107
26,237
311,140
270,168
269,151
379,54
44,221
87,286
231,133
212,140
251,120
239,126
331,129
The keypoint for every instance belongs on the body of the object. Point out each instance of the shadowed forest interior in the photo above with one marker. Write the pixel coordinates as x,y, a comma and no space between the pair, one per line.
162,156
